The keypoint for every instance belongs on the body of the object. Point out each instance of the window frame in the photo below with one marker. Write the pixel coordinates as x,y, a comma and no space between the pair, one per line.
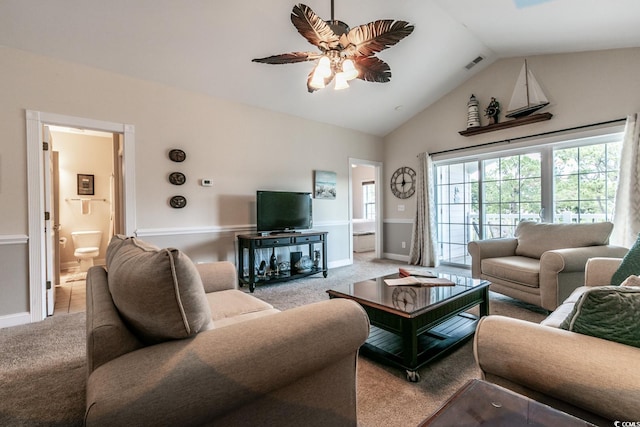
365,203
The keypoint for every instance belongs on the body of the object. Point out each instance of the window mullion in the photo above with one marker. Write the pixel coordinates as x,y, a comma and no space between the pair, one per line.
547,175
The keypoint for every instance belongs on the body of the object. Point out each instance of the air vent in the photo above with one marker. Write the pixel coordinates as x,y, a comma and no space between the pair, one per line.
473,63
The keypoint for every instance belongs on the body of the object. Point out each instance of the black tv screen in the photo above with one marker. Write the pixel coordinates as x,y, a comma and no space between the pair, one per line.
283,211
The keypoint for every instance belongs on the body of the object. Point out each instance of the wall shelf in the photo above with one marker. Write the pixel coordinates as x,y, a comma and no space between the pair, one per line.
534,118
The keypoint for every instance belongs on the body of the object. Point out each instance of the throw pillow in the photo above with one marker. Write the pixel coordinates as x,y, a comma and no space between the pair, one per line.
630,264
158,292
608,312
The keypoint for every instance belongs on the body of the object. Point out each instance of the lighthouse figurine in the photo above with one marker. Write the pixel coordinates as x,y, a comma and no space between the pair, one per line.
473,113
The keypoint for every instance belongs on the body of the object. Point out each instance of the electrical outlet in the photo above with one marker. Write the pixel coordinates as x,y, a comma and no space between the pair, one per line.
206,182
404,245
400,208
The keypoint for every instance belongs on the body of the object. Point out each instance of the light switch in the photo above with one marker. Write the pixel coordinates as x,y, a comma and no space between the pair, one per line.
400,208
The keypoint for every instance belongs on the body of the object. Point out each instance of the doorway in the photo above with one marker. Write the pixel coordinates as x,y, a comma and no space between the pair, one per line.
41,277
365,208
82,155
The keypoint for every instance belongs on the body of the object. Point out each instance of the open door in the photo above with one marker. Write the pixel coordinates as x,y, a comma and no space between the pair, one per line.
50,222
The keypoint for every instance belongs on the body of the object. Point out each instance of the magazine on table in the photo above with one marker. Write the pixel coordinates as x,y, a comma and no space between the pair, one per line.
405,272
419,281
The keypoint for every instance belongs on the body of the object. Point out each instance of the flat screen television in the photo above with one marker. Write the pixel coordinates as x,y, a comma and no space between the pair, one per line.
283,211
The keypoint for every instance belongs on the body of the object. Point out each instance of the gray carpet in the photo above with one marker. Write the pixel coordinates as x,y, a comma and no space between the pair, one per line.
42,367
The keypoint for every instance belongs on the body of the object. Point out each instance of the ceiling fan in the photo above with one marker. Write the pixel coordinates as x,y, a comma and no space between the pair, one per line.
345,53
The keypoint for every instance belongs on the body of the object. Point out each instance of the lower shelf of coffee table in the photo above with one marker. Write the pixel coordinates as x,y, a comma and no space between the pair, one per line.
436,342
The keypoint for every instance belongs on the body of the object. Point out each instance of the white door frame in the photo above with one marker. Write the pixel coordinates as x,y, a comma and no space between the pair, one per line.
36,193
378,178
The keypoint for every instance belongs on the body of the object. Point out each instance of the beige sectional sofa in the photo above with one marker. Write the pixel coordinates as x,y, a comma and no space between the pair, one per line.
593,378
154,358
543,263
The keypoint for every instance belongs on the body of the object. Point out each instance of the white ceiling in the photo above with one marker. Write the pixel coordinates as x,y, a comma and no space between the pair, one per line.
207,46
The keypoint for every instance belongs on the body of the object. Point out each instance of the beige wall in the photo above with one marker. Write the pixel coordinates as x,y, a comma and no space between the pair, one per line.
240,148
582,88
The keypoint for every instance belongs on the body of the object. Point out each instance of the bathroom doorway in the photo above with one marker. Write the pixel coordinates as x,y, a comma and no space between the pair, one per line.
86,196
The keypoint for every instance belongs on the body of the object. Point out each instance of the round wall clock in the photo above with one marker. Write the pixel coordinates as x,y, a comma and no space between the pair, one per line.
177,155
177,178
178,202
403,182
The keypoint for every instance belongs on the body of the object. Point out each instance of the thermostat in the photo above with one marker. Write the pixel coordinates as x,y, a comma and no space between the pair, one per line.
206,182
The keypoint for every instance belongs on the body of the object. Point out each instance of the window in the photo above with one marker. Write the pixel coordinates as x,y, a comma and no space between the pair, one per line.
369,199
485,196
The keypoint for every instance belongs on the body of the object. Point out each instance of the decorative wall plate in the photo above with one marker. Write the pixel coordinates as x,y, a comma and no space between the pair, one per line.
178,202
177,155
177,178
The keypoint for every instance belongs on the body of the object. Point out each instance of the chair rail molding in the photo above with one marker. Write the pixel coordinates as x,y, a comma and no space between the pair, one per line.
14,239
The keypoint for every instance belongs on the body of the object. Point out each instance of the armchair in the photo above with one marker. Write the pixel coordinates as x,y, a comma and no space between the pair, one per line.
192,349
543,263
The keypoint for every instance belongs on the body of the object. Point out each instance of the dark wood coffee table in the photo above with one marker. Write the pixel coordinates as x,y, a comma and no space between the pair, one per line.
412,326
480,403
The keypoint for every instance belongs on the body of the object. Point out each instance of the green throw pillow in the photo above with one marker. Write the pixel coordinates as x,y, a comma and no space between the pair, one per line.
630,264
608,312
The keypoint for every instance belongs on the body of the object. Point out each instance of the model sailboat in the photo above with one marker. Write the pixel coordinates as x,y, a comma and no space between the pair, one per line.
527,97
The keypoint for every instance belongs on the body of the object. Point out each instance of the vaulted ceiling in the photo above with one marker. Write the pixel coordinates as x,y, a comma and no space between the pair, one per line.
207,46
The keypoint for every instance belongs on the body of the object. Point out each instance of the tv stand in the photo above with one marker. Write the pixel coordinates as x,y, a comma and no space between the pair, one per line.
254,242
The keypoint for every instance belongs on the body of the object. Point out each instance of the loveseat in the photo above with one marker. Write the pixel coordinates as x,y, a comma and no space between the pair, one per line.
543,263
173,343
593,378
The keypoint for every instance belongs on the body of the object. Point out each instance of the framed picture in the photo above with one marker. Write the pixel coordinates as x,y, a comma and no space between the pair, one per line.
325,185
85,185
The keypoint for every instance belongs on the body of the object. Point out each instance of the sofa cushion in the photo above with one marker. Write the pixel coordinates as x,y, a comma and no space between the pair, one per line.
630,264
158,292
518,269
608,312
233,306
536,238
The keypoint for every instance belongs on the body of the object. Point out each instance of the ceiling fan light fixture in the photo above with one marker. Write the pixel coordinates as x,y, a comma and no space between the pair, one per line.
341,81
341,48
349,69
317,81
323,69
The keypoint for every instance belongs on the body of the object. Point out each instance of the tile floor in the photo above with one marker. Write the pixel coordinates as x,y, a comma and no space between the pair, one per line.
71,293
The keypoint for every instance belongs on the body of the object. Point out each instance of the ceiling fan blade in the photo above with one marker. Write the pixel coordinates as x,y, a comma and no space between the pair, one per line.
373,69
368,39
313,28
288,58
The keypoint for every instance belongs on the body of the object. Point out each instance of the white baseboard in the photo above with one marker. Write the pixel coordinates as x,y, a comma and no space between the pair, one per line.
396,257
14,319
339,263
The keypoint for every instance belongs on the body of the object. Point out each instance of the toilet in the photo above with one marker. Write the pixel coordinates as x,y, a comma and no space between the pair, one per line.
87,247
